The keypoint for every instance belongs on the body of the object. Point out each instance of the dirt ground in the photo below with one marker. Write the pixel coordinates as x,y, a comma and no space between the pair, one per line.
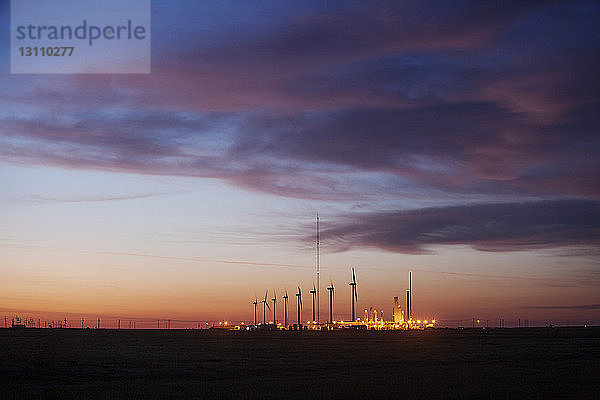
535,363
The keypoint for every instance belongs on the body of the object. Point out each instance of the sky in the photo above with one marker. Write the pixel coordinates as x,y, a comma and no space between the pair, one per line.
458,140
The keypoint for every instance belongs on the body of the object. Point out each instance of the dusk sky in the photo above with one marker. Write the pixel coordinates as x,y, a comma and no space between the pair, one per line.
459,140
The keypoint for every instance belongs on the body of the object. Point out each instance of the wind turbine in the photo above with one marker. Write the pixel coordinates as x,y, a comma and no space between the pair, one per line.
299,302
354,294
285,301
313,292
255,302
265,306
330,290
274,300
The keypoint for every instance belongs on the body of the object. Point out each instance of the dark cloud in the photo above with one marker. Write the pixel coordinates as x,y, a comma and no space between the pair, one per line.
441,99
462,148
456,148
353,31
488,227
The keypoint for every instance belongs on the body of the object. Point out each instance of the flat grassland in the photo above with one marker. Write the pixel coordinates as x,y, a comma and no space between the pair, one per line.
538,363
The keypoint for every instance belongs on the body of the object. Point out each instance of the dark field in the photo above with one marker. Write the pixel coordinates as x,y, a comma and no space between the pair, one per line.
507,363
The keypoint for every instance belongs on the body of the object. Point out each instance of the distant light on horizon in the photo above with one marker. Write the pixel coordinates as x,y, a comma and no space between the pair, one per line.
445,143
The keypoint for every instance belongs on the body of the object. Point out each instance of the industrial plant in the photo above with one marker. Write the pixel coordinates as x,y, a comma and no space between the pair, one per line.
401,319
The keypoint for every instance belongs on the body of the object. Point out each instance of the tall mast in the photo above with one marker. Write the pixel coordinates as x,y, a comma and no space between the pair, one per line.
318,271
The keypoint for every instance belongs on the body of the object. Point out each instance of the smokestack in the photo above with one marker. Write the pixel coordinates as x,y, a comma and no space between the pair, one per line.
410,288
408,316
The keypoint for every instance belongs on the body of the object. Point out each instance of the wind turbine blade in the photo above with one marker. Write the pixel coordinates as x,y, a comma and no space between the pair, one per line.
268,306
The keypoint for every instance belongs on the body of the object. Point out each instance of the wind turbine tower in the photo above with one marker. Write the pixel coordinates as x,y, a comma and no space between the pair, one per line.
299,303
354,294
330,290
285,301
265,306
274,300
313,292
255,302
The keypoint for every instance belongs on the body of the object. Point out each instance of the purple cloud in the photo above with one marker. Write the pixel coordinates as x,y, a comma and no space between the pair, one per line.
462,99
